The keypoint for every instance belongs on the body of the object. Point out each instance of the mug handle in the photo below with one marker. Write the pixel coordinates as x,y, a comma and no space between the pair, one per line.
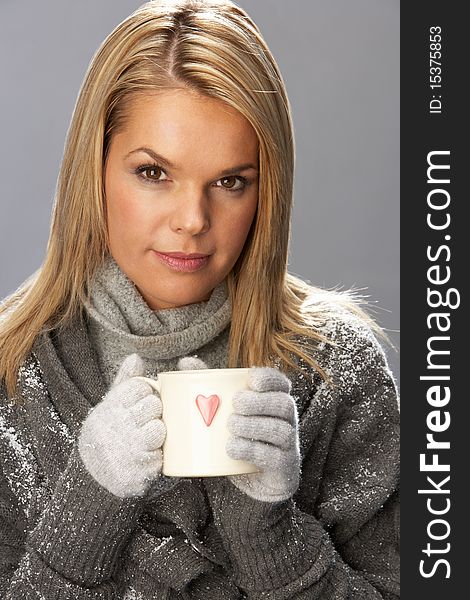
153,383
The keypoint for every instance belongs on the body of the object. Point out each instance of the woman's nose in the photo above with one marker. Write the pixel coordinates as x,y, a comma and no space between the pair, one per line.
191,214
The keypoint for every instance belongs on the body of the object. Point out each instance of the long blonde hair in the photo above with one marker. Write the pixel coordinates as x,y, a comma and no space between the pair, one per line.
214,48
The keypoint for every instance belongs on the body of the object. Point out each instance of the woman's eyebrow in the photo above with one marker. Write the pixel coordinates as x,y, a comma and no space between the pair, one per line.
156,157
167,163
238,169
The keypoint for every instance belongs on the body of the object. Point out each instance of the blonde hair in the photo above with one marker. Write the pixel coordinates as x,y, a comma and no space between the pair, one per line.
213,48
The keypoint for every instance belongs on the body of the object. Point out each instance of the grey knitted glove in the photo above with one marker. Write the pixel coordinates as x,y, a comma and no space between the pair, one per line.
264,428
120,440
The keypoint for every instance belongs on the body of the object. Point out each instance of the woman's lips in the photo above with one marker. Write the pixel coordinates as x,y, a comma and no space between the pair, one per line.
177,263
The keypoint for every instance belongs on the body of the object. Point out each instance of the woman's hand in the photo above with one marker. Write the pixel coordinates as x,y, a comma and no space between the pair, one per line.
264,427
121,438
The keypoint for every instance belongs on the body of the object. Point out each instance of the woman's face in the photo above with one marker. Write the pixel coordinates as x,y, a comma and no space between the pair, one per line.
181,177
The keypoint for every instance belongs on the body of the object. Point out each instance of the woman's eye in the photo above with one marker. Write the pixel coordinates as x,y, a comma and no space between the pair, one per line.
230,183
153,173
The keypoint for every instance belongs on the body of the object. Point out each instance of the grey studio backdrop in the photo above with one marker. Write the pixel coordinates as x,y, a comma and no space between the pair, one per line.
340,62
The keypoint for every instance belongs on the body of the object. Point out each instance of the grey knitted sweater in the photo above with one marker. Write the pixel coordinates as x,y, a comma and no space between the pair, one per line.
64,537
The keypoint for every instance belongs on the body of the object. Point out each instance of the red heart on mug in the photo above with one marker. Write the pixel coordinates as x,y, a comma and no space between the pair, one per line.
208,407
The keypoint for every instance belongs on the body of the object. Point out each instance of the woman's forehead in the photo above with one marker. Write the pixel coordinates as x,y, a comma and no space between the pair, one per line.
176,124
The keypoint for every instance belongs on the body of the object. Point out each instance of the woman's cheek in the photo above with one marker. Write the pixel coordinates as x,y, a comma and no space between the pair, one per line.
126,210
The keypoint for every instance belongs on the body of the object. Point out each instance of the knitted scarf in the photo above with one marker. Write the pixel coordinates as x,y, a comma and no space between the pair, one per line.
121,323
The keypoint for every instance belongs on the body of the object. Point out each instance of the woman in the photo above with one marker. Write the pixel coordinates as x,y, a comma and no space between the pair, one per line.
168,250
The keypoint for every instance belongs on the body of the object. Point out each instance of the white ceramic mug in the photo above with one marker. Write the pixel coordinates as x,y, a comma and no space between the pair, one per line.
196,406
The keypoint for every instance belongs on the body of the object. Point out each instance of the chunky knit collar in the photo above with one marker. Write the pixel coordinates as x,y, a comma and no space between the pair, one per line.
121,314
